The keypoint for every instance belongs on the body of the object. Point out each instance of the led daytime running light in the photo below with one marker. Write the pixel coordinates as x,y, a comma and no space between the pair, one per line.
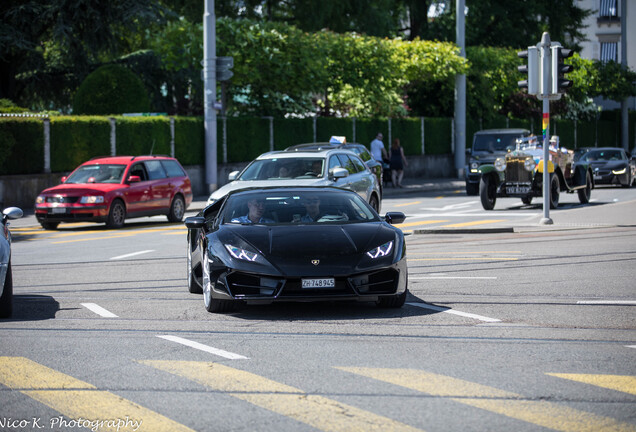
242,254
381,251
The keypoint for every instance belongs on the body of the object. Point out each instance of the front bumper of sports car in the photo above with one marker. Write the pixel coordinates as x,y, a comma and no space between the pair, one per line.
262,289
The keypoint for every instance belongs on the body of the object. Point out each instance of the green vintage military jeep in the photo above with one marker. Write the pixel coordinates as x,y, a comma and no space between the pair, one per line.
520,174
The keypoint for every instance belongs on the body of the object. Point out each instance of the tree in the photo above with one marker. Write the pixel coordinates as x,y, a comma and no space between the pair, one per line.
48,46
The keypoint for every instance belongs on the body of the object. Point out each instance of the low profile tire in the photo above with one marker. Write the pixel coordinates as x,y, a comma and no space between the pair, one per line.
527,200
584,194
487,192
193,286
116,215
211,304
52,226
396,301
6,300
373,202
472,189
177,209
555,190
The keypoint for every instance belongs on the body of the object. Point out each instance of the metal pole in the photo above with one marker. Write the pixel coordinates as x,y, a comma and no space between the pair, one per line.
47,144
545,91
624,108
460,94
209,96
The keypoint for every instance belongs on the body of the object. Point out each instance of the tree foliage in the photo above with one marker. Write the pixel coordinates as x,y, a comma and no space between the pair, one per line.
111,89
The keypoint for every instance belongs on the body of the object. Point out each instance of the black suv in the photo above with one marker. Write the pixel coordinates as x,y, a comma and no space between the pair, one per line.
488,145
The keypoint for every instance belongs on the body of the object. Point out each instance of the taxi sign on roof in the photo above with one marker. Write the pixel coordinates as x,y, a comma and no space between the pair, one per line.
337,140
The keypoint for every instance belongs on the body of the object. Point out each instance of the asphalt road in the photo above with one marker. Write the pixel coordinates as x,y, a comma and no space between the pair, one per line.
532,329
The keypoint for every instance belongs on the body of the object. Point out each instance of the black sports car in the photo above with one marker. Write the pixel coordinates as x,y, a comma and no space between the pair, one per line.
295,244
611,165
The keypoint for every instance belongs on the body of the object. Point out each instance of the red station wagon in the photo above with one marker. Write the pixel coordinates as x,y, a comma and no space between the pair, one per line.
113,188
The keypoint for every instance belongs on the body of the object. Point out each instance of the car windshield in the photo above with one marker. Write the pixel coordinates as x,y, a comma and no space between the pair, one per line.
296,208
284,169
602,155
97,173
495,142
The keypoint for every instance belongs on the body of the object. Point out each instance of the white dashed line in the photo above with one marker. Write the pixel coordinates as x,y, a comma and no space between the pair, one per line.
200,346
454,312
131,254
99,310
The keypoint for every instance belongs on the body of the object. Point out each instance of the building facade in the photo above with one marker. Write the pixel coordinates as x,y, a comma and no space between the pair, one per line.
603,32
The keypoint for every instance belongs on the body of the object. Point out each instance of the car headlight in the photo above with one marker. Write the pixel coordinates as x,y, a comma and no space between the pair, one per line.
381,251
474,166
619,172
500,164
529,164
239,253
39,199
91,199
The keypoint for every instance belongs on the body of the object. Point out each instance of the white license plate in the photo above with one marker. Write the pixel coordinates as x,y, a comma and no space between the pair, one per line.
598,177
514,190
319,283
58,210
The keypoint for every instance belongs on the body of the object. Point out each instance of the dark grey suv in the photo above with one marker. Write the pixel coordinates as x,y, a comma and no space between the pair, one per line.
488,145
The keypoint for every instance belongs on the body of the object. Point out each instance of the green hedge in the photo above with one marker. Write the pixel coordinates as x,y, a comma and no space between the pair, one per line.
143,135
74,140
189,140
21,145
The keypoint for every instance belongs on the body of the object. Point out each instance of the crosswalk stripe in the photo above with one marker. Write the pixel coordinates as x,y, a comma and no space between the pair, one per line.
317,411
542,413
621,383
77,399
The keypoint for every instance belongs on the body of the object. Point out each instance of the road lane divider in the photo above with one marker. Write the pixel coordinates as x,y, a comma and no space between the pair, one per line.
202,347
99,310
132,254
317,411
513,405
80,401
453,312
621,383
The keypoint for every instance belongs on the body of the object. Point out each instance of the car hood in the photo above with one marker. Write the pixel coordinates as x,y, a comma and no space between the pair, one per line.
608,164
487,157
241,184
76,189
291,249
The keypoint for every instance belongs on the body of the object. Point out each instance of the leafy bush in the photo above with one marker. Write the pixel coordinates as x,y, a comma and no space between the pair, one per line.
21,145
75,140
111,89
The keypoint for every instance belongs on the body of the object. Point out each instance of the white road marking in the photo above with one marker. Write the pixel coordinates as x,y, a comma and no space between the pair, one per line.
200,346
99,310
631,346
132,254
454,312
607,302
451,277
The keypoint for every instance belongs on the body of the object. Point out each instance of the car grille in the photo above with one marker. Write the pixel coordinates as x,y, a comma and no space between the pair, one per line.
515,171
243,285
61,199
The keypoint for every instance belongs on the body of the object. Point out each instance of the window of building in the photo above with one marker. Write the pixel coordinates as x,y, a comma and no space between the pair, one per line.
608,9
609,51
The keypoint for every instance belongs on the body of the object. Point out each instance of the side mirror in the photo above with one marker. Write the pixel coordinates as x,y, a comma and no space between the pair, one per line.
134,179
195,222
395,217
12,213
63,179
469,152
338,173
233,175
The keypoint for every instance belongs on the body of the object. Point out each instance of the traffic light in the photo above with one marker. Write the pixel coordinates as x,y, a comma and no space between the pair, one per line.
223,66
531,69
560,83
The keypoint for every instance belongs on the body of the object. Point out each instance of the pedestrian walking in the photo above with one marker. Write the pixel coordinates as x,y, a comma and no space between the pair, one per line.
377,148
398,163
